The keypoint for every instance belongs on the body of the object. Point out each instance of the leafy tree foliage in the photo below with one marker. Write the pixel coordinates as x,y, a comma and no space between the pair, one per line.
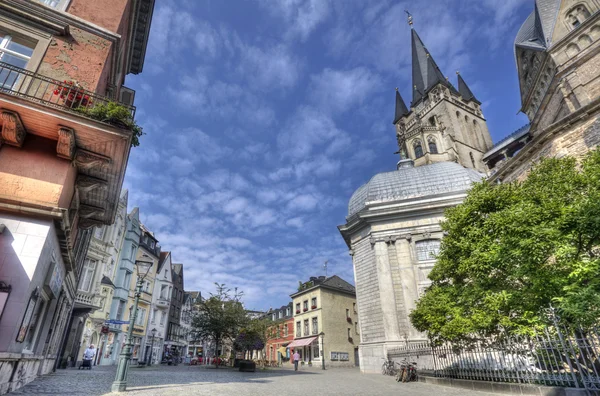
220,317
512,250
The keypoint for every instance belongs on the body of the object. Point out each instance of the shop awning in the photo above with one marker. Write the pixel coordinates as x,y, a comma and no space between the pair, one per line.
282,350
301,342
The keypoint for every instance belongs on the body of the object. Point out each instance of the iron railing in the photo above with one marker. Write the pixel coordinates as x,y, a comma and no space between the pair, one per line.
62,95
560,355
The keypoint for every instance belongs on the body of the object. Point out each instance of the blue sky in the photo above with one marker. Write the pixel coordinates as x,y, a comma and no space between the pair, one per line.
262,118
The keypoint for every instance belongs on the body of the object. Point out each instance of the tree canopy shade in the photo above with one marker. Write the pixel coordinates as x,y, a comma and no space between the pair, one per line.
513,249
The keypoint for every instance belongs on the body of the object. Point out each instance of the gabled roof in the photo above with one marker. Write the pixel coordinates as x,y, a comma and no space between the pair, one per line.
401,109
162,259
332,283
465,91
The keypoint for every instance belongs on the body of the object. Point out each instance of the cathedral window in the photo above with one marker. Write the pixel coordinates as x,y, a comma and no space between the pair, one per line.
457,114
432,121
427,249
418,149
577,15
432,146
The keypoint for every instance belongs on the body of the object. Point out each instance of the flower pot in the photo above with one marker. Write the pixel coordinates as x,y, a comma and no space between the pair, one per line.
313,307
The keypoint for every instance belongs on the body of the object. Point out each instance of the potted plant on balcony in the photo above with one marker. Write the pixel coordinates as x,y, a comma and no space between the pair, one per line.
349,320
297,311
305,309
73,94
313,307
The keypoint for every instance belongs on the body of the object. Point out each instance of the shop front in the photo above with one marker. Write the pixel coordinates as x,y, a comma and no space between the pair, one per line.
308,348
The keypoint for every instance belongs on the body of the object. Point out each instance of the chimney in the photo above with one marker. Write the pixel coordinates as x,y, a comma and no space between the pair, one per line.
405,163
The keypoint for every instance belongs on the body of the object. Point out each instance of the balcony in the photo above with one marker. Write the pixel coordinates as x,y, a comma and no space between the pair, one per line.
163,303
88,301
50,92
33,104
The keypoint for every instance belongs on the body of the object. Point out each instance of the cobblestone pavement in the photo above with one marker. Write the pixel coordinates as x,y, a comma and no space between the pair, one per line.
195,380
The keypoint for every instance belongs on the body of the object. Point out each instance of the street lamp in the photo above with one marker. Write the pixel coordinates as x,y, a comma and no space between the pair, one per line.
322,350
120,383
151,347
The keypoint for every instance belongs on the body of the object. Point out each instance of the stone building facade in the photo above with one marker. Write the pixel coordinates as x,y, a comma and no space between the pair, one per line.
393,223
161,302
557,52
61,171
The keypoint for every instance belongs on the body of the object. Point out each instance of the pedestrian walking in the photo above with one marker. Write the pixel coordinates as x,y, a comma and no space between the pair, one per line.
296,360
88,357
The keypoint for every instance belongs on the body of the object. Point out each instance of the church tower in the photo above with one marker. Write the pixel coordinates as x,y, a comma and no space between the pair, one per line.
443,123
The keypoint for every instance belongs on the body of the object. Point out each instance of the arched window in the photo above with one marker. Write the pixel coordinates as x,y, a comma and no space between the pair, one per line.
457,114
472,159
432,146
427,249
418,149
432,121
577,15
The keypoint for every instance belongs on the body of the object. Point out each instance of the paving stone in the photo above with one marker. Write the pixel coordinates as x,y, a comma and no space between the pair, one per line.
195,380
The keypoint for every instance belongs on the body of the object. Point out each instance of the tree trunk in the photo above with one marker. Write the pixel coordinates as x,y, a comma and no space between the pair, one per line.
217,353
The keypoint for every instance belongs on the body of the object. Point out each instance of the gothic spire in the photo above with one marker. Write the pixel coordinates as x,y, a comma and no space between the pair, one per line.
464,90
425,72
401,109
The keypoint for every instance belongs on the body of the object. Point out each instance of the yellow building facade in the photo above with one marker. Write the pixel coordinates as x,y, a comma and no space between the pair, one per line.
325,322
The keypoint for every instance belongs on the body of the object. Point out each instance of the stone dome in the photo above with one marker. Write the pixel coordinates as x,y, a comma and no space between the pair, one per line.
411,182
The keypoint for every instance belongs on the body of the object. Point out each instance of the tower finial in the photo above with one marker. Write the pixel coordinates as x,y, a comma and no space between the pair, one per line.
458,72
409,18
396,88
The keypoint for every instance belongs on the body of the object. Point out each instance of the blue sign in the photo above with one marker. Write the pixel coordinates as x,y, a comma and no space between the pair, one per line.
119,322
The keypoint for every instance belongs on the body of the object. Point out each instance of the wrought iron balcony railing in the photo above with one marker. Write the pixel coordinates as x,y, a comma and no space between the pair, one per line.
62,95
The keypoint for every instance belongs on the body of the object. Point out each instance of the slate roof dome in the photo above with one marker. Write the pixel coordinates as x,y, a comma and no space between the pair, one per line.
411,182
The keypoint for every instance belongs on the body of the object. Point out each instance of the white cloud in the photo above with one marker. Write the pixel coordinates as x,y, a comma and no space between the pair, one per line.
300,17
340,90
304,202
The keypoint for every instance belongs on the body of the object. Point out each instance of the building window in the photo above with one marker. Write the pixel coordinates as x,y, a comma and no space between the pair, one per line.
285,330
133,252
432,146
428,249
16,52
472,159
315,348
313,303
34,326
432,121
305,305
162,317
298,333
280,314
120,309
349,335
60,5
141,316
288,311
154,312
418,149
298,308
87,275
127,280
354,307
347,314
356,327
577,15
306,329
315,325
163,292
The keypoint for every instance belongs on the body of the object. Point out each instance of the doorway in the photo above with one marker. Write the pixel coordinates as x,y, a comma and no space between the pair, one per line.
356,358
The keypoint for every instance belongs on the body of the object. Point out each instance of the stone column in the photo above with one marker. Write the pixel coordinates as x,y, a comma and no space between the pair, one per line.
386,292
408,276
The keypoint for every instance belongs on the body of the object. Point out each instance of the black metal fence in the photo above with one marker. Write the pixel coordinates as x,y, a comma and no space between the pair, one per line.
558,356
64,95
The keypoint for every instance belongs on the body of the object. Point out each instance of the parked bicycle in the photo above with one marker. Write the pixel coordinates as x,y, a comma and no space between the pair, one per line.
407,371
388,368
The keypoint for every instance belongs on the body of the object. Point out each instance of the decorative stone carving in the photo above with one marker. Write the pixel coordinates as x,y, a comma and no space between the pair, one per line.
13,131
65,147
89,223
89,211
427,235
85,183
86,160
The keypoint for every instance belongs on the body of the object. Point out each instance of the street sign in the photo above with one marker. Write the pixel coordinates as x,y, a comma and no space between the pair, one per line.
119,322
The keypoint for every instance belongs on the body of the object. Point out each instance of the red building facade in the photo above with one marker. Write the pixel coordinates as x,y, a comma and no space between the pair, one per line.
280,334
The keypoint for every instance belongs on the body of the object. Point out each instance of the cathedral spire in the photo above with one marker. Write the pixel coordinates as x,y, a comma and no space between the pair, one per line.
401,109
464,90
425,72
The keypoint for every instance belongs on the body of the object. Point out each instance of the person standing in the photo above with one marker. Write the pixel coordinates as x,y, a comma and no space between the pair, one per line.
296,360
88,356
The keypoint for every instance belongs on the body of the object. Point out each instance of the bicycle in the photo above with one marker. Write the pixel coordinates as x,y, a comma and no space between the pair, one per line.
407,372
388,367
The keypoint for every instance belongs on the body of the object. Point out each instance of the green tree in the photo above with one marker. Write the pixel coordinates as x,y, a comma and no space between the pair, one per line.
220,317
511,250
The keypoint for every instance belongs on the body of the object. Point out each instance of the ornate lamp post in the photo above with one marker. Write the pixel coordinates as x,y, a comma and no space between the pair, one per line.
120,383
151,347
322,350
